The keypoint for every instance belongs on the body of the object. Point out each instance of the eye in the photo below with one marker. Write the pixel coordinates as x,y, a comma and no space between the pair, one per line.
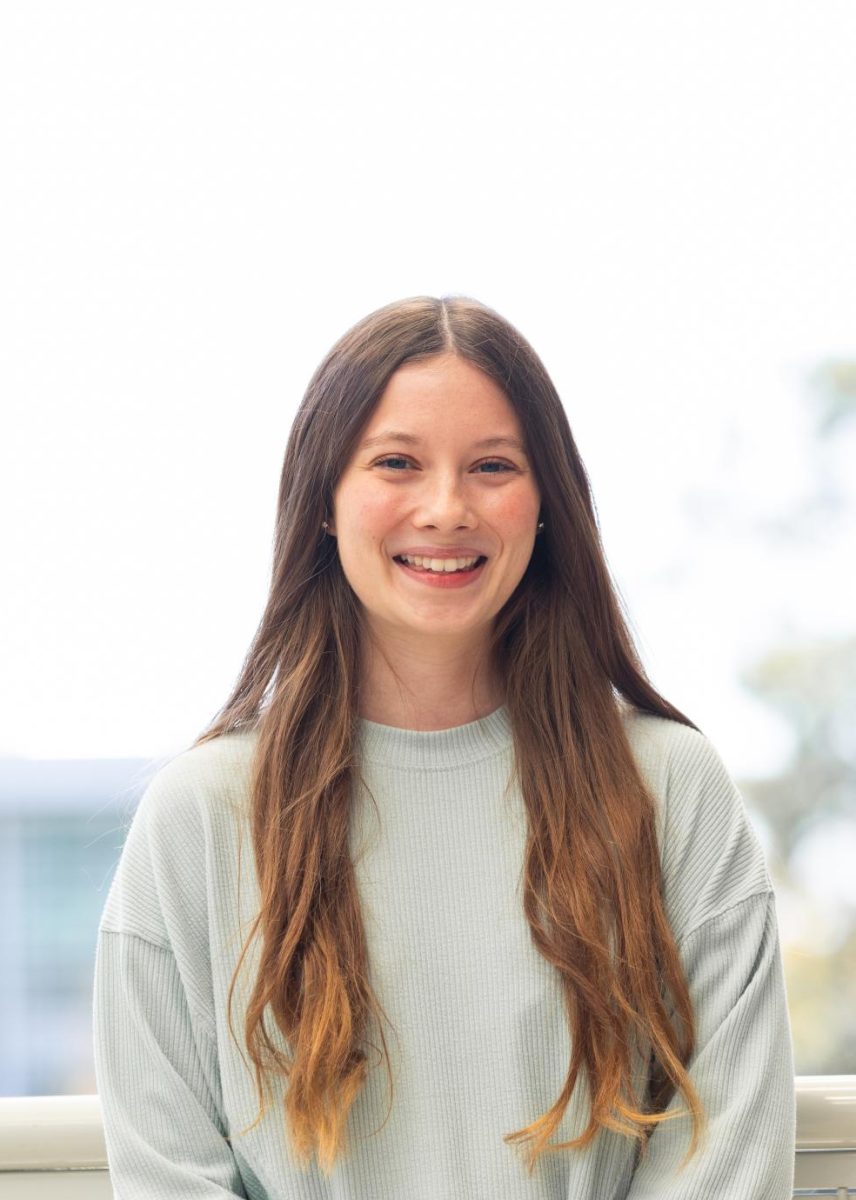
494,462
382,462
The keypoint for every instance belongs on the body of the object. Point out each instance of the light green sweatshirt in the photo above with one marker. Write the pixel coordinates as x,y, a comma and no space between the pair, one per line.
480,1046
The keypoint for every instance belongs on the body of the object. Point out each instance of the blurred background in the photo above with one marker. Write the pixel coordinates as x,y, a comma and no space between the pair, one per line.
199,199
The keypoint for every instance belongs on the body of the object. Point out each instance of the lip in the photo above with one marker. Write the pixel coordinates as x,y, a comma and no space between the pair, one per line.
441,552
444,581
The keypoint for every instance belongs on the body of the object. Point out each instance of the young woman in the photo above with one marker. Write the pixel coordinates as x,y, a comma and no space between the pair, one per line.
447,901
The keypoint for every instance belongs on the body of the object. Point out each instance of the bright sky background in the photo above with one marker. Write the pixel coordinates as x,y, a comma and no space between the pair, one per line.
199,199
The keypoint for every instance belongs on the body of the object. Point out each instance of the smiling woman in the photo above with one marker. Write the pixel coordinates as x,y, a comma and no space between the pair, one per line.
560,908
466,534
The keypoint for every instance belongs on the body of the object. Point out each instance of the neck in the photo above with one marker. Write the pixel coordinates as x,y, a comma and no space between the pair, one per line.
427,683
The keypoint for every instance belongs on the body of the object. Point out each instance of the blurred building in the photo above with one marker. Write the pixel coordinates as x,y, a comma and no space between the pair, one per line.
62,827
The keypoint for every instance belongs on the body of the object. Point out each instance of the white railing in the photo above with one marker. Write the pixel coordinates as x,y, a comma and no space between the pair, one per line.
53,1146
826,1136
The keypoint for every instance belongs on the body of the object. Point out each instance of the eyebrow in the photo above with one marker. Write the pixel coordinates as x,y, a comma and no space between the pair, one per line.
410,439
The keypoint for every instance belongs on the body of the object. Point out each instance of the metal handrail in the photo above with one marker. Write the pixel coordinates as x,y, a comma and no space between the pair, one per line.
65,1133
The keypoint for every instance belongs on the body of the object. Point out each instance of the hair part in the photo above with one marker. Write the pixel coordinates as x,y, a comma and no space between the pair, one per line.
592,874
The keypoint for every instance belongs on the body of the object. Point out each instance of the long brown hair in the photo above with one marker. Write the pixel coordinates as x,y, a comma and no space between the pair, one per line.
592,880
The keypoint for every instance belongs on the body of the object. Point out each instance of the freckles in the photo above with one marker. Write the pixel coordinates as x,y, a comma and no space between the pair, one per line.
373,511
377,507
515,510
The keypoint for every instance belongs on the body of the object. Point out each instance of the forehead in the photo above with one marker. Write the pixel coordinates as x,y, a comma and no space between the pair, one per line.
447,384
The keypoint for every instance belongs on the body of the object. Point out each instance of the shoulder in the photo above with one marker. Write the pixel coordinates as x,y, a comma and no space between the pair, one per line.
678,762
181,832
658,736
199,783
710,854
668,754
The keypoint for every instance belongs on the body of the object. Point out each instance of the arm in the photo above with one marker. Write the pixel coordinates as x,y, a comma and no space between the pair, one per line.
742,1068
158,1079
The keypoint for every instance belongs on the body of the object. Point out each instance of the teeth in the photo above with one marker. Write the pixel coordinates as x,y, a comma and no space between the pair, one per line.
439,564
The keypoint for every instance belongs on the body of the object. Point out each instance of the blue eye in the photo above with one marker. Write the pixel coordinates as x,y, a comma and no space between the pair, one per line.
496,463
381,462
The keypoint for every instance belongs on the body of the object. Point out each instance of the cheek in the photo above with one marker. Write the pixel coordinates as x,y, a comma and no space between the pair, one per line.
372,513
515,513
365,516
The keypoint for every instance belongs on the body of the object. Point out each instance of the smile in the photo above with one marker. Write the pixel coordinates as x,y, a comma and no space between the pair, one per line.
442,579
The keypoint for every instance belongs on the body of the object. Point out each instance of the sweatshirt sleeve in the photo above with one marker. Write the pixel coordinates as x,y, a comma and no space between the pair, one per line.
158,1079
742,1068
156,1062
721,906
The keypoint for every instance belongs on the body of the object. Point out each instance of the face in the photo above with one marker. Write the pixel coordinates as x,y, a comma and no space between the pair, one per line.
440,492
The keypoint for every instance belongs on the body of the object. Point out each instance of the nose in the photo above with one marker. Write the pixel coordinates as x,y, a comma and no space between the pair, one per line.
444,504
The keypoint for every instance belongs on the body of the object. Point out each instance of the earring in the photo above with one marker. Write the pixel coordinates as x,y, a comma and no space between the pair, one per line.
540,525
324,526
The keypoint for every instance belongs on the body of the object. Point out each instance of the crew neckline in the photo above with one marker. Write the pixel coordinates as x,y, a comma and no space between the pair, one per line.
436,749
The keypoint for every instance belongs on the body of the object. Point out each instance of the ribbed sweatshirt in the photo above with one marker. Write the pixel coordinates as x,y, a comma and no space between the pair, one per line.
477,1030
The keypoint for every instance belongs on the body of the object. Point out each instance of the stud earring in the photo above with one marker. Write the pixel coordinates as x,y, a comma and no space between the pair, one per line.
540,525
